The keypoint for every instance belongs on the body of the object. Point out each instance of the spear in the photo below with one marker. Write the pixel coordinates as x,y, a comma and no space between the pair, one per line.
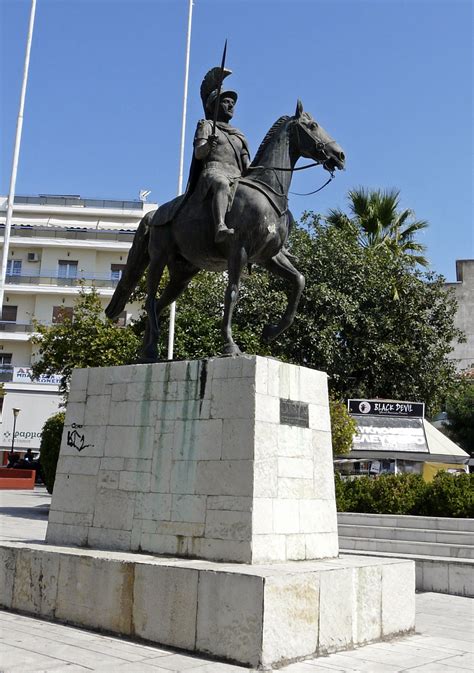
218,99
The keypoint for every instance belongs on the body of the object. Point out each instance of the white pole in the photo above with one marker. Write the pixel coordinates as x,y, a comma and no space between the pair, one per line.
16,152
181,164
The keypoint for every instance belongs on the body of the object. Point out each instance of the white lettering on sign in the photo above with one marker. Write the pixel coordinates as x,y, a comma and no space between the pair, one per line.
393,407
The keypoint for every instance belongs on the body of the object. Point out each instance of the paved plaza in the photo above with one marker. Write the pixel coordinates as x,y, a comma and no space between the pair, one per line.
443,643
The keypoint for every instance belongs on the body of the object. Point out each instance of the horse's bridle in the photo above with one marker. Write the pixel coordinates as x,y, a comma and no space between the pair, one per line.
321,146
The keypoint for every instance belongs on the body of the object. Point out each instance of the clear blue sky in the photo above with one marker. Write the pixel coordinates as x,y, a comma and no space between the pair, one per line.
390,80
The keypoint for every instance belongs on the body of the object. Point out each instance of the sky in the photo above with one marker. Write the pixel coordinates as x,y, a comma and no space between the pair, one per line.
390,80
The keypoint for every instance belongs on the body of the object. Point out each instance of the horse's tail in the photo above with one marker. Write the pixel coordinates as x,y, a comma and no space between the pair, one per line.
137,261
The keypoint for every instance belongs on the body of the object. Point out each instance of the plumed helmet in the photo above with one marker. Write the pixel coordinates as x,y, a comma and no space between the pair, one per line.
210,88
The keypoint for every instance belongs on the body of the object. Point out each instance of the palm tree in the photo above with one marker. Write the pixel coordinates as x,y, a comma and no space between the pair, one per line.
380,224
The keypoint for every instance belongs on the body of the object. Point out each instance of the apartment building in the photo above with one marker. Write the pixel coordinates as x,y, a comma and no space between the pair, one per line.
56,241
463,288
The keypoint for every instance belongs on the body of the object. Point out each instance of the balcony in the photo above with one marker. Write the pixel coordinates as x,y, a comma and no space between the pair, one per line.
49,277
70,233
77,202
15,326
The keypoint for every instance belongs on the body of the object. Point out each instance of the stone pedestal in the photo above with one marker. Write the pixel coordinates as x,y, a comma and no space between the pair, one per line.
256,615
227,461
223,459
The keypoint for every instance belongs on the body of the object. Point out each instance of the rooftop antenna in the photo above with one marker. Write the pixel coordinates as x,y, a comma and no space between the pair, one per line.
144,194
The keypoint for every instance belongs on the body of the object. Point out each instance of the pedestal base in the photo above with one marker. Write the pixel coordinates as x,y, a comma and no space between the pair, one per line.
223,459
256,615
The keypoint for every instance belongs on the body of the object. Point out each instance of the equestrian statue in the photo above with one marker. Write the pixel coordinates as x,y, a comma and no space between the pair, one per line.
233,213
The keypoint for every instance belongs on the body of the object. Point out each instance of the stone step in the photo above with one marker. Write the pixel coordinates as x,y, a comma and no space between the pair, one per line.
407,546
433,573
405,521
398,533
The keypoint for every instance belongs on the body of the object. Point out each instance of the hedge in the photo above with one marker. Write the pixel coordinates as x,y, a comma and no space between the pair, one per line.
447,495
49,449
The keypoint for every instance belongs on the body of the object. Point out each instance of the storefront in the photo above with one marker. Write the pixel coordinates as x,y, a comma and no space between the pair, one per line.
393,436
26,405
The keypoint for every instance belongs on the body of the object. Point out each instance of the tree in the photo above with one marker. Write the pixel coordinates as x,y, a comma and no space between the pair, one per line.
460,409
380,223
88,339
348,323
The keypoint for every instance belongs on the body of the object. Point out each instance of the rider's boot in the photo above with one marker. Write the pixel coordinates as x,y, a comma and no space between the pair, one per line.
222,232
219,209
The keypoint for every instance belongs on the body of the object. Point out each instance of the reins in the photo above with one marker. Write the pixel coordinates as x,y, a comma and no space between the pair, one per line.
322,147
300,168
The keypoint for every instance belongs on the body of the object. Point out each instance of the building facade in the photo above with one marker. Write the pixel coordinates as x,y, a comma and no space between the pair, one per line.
56,242
463,288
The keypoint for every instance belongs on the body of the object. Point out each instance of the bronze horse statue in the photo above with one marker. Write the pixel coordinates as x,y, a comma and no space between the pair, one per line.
260,217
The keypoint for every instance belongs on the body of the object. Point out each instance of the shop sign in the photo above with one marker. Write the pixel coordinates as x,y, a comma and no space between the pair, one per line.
375,433
386,408
24,375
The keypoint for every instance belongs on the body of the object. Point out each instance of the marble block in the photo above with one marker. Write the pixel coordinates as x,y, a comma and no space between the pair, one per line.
226,459
260,616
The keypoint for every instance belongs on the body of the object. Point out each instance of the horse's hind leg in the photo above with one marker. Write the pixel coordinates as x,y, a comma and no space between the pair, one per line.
149,350
281,266
181,273
235,264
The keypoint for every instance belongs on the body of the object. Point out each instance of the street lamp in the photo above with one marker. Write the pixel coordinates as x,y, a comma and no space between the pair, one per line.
15,415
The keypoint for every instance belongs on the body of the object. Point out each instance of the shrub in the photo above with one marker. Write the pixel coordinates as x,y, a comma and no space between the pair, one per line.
341,497
447,495
343,427
49,448
450,495
398,493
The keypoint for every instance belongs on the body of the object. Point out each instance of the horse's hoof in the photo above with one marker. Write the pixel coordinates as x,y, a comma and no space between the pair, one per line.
269,333
231,349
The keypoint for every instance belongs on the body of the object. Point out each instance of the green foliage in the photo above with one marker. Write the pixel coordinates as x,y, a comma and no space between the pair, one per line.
49,448
450,495
447,495
343,427
349,323
87,340
460,408
381,224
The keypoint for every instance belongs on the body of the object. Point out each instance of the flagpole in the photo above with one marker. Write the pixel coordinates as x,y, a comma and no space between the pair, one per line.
16,153
172,318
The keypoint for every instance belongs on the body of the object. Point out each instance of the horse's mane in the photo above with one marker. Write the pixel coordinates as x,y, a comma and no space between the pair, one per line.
276,126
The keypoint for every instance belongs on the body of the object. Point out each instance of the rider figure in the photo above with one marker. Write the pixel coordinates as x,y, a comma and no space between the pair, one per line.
223,156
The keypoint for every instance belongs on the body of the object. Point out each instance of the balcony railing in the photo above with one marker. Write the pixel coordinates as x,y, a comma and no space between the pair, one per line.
76,201
70,233
15,326
45,278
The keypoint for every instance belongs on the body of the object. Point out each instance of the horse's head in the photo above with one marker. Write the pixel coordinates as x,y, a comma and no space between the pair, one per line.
314,143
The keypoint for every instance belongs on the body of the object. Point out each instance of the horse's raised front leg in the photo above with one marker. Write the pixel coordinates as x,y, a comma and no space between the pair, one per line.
236,262
281,266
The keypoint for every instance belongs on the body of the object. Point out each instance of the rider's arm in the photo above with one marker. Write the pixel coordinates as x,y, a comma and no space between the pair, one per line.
245,161
204,141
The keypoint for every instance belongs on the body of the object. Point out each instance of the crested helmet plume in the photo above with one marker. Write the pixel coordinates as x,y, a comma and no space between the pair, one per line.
210,86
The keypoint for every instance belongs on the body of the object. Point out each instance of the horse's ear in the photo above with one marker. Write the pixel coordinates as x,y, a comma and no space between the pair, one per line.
299,109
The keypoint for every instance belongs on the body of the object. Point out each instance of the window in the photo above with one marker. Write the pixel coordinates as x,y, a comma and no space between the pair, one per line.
5,358
67,269
116,271
61,313
14,267
9,313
